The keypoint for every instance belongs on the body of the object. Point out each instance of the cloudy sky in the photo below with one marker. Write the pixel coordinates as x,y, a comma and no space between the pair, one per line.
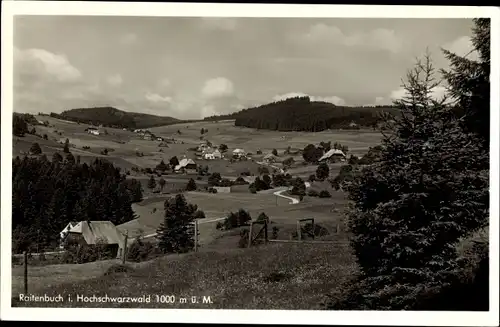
194,67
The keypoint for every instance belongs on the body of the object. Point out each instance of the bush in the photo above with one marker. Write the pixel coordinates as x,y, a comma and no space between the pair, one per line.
263,217
199,214
325,194
237,219
141,251
322,172
313,193
212,190
35,149
299,187
312,178
191,185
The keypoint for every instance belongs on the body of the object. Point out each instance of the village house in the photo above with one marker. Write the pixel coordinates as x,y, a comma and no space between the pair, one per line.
65,231
239,153
92,233
334,155
212,155
186,165
93,130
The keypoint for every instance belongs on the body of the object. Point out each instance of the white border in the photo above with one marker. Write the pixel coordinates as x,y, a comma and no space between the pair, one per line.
10,8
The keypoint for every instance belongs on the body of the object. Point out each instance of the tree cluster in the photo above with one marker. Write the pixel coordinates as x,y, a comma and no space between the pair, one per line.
115,118
47,195
302,114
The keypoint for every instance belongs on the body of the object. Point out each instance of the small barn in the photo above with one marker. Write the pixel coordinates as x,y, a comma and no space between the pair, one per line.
223,189
334,155
93,233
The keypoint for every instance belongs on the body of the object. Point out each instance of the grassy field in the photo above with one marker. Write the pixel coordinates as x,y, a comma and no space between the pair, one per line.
277,276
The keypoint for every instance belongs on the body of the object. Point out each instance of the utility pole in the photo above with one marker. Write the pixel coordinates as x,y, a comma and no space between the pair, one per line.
25,255
125,248
196,235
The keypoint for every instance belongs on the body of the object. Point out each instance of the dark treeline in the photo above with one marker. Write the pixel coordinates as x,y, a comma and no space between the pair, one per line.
47,195
302,114
112,117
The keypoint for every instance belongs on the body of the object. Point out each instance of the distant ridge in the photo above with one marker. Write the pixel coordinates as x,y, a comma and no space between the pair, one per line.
302,114
112,117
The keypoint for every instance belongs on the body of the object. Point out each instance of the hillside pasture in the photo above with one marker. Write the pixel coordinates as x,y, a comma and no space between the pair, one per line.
276,276
124,145
252,140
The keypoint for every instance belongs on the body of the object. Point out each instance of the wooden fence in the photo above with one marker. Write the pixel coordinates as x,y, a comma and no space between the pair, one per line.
263,231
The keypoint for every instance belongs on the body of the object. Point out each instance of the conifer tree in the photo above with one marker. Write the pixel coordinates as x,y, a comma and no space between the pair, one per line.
469,81
151,182
175,234
66,146
162,183
191,185
429,188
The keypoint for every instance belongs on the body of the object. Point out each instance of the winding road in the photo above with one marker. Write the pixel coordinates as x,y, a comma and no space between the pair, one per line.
276,193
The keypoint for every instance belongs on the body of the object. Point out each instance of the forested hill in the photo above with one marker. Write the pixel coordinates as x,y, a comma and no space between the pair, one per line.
112,117
301,114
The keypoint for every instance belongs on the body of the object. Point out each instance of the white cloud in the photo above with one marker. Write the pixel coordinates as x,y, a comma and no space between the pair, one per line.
217,88
462,46
378,39
219,23
437,94
115,80
331,99
128,39
156,98
43,64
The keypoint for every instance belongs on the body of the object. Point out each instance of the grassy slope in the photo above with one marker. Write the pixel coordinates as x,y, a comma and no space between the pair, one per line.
234,278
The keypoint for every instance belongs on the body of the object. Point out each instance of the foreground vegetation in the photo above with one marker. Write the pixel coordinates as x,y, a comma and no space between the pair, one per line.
427,190
280,276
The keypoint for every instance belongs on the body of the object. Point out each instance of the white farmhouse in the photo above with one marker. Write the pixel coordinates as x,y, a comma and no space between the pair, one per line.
239,153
